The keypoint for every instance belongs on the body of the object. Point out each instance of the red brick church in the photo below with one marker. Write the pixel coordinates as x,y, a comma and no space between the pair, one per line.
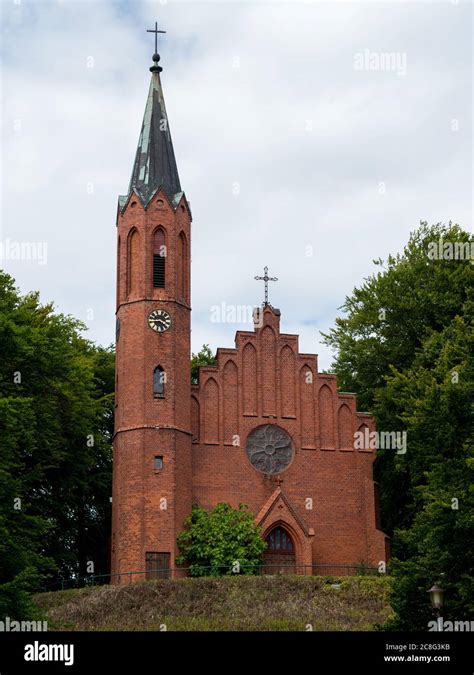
262,426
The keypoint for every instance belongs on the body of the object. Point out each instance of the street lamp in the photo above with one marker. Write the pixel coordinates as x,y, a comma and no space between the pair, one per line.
437,598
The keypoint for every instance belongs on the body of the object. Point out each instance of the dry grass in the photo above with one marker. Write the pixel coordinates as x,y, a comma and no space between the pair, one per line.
265,603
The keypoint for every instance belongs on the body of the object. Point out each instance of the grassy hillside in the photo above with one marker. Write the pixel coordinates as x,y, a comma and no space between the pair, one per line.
287,603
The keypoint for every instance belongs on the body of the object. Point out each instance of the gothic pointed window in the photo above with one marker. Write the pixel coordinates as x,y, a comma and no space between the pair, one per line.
182,266
280,555
279,540
159,380
159,259
119,253
133,263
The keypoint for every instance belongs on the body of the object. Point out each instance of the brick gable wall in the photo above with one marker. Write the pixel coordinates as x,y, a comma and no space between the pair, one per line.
265,380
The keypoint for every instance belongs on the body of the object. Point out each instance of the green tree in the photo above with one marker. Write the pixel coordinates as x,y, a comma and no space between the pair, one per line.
406,345
56,421
213,541
385,323
436,395
204,357
389,316
22,564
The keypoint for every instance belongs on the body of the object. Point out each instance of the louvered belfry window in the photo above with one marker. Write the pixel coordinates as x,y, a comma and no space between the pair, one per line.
159,259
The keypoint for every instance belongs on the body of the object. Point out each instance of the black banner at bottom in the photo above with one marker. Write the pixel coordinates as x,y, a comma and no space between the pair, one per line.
68,652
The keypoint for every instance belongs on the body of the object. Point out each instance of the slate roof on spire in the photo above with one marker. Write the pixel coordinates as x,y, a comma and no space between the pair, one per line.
155,164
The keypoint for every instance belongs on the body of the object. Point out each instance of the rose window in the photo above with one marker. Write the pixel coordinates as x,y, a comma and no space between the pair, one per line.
270,449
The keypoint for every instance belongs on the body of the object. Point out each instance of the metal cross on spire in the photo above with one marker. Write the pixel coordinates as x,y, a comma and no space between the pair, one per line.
156,31
266,279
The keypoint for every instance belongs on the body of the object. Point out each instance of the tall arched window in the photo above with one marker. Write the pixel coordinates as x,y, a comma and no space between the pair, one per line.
159,381
119,253
159,259
133,267
279,541
280,555
182,267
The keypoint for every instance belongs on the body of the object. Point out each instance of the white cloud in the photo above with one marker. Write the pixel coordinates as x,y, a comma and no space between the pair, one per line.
306,136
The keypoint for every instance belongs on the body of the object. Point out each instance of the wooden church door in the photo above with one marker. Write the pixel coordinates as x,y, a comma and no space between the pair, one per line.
157,565
279,557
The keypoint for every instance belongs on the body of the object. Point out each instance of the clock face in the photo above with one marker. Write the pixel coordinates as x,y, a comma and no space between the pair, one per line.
159,320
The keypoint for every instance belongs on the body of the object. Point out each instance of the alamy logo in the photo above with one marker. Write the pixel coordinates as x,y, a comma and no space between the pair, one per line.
225,313
45,652
11,626
395,62
383,440
450,626
450,250
24,250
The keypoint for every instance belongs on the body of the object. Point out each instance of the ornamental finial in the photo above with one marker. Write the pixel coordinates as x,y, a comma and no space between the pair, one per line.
155,68
266,279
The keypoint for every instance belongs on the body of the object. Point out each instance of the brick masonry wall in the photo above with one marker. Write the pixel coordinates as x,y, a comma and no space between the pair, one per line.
325,497
265,380
149,506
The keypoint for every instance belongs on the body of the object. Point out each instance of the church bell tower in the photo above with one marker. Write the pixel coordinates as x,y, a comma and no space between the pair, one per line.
152,440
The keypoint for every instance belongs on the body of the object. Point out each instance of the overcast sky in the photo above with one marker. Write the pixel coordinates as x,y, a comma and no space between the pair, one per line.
298,145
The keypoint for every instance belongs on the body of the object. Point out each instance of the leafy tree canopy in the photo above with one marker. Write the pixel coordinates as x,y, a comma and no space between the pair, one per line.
435,398
204,357
405,344
56,422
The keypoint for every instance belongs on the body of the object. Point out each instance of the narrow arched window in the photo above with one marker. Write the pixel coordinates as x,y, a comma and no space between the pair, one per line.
133,266
182,266
159,259
119,253
280,556
159,381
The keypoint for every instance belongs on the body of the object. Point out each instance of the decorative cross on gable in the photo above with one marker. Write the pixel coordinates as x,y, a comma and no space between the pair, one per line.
266,279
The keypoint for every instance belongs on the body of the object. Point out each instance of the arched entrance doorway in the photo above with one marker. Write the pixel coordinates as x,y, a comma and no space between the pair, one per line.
279,556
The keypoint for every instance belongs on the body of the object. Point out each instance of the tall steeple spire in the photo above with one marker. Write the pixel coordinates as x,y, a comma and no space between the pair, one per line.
155,164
